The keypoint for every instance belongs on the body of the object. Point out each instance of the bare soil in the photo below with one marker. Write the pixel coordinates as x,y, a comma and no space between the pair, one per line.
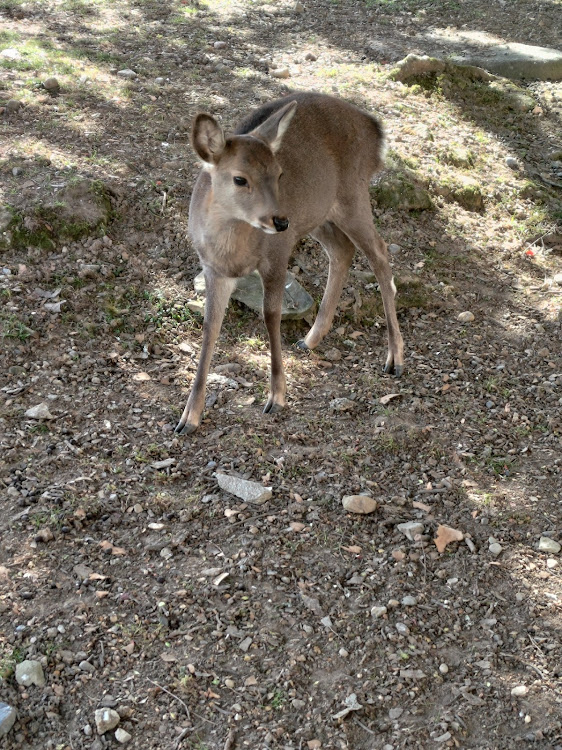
124,569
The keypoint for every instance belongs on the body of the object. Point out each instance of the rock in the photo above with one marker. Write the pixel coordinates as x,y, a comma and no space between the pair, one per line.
52,85
518,61
361,504
401,191
342,404
393,249
10,54
44,535
219,45
377,612
409,601
281,73
520,691
495,549
410,529
311,57
122,736
297,303
17,171
12,105
8,716
159,81
127,73
464,190
30,672
106,719
546,544
395,713
511,162
250,492
443,668
41,411
413,66
83,572
6,219
465,317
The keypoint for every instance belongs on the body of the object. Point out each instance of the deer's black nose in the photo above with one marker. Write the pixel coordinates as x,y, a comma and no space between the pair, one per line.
280,223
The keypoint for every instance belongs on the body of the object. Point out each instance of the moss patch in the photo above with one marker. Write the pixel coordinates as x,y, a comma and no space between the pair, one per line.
77,211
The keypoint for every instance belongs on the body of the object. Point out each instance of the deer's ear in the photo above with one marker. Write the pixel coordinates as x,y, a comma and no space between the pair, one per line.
207,138
275,127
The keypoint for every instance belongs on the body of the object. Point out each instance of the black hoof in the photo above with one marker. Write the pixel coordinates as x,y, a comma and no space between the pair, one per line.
396,370
302,346
185,429
272,408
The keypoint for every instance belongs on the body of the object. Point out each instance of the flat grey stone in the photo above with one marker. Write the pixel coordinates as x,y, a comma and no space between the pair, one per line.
297,302
410,529
546,544
8,716
518,61
250,492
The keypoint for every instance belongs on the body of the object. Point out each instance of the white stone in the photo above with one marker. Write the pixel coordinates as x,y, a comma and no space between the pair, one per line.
495,549
10,54
377,612
41,411
520,691
122,736
126,73
465,317
30,672
546,544
106,719
250,492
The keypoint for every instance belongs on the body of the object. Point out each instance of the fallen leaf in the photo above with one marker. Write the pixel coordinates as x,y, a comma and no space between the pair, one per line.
97,577
389,396
354,549
101,594
446,535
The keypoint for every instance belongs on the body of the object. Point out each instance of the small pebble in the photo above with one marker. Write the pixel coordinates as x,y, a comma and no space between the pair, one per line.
409,601
443,668
511,162
520,691
122,736
377,612
393,249
281,73
465,317
495,549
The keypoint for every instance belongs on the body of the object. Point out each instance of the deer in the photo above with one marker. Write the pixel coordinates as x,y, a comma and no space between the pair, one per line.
296,166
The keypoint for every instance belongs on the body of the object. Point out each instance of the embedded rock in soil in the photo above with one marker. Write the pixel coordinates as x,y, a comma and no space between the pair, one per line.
410,529
297,302
362,504
250,492
41,411
519,61
30,672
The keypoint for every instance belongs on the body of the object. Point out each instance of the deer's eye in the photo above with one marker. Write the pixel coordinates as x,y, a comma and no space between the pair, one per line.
240,181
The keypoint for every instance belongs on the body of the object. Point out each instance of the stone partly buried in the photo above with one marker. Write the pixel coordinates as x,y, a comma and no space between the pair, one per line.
297,303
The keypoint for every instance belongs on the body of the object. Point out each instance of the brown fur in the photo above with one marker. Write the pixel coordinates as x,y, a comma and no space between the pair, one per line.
308,159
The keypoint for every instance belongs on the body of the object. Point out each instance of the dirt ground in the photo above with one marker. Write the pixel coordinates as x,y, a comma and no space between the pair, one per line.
139,585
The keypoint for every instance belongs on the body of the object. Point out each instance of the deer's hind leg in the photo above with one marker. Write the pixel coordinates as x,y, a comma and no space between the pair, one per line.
340,251
357,223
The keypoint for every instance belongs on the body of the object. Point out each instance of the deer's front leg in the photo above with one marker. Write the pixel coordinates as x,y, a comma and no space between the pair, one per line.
218,291
273,287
